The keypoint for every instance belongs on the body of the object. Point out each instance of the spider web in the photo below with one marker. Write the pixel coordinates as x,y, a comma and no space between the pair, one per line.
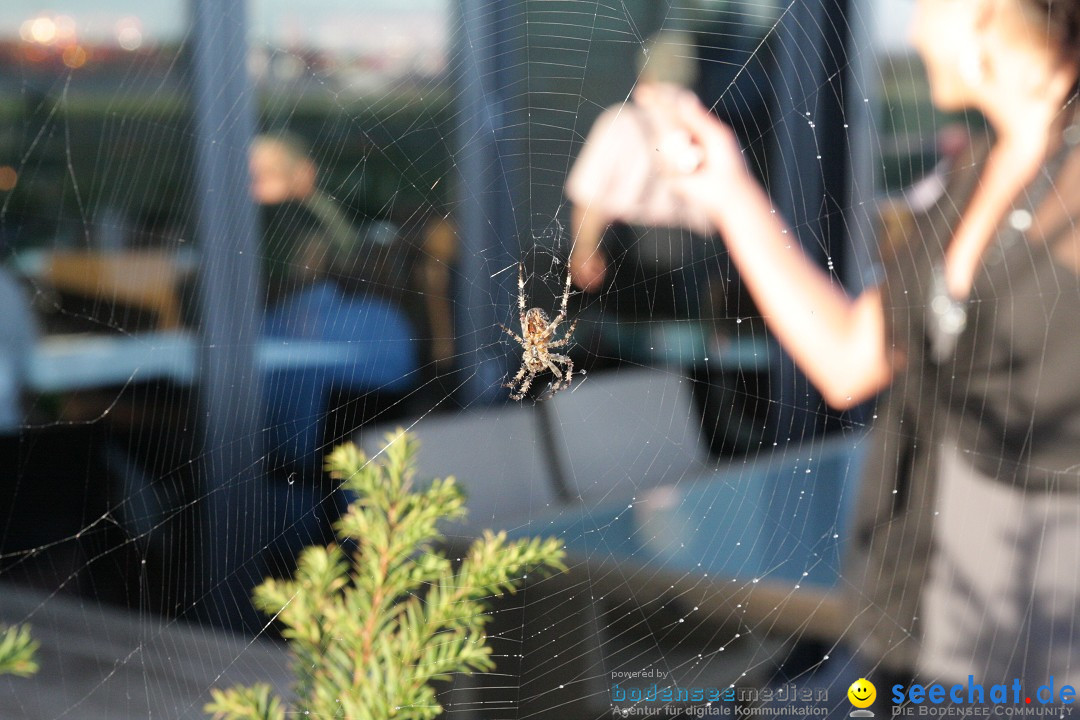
703,489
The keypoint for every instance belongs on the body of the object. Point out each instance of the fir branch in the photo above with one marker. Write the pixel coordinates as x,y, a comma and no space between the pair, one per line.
370,632
254,703
17,650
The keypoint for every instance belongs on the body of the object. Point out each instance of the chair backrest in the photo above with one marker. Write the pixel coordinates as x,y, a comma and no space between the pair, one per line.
497,456
365,344
372,340
627,431
145,279
613,435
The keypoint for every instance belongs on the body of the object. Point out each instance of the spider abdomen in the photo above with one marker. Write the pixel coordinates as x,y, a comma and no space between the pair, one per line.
536,322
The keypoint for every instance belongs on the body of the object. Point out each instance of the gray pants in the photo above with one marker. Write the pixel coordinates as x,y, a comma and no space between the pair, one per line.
1003,596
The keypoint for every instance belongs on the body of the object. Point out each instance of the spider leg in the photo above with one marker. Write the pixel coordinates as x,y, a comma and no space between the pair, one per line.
521,295
566,291
512,334
517,378
550,329
521,287
566,338
562,381
569,370
520,392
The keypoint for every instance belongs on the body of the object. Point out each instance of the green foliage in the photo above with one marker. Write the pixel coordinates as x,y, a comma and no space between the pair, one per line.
371,628
17,650
257,701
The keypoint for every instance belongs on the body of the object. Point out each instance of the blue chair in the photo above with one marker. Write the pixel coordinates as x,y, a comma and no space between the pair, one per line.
366,345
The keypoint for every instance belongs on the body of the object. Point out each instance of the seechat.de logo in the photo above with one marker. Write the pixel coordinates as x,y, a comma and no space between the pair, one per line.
862,694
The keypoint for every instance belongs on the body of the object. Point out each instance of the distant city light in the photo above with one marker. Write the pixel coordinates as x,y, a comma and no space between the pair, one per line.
129,33
41,30
74,56
65,29
8,178
49,30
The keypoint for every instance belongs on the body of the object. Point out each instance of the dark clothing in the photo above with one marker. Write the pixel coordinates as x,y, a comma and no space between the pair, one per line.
292,237
1008,396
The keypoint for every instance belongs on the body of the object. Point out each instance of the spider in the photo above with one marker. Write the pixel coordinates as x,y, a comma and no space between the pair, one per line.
538,342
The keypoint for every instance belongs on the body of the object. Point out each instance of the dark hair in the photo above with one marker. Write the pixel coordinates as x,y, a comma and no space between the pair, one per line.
1061,18
293,143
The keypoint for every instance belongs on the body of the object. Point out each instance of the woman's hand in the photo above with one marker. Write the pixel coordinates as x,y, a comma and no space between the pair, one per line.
588,268
837,341
588,263
700,156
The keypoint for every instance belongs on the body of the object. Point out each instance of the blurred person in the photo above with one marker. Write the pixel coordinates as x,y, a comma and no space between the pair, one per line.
321,288
313,255
305,233
616,198
282,171
963,554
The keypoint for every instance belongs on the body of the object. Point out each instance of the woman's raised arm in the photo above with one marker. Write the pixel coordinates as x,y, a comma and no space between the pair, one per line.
839,342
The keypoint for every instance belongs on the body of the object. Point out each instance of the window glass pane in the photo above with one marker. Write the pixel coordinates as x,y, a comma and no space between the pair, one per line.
95,148
906,119
97,270
358,94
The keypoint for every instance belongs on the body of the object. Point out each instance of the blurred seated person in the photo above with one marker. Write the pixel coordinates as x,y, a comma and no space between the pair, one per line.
304,230
633,237
313,255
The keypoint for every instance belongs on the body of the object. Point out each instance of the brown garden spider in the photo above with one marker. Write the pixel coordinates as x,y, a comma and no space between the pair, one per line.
537,342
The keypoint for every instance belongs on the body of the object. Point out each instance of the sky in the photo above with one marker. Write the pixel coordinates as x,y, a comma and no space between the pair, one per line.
893,22
325,22
321,22
350,26
96,19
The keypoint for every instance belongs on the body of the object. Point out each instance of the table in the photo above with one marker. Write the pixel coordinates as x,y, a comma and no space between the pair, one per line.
65,363
298,375
102,663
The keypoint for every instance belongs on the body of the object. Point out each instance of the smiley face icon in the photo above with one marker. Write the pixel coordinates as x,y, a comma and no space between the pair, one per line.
862,693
